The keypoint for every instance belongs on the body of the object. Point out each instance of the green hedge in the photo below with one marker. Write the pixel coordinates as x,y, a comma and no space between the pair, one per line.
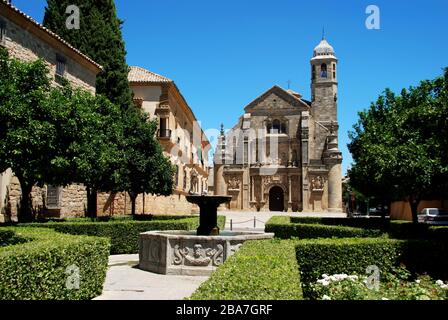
123,233
366,223
353,256
350,256
118,218
284,229
260,270
37,269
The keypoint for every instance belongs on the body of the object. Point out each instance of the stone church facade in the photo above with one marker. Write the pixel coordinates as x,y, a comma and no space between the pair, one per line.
283,153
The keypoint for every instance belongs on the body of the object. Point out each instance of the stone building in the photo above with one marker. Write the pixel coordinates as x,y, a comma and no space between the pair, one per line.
183,142
179,133
27,40
283,153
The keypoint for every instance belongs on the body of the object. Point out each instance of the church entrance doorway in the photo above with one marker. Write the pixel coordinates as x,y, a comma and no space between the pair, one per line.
276,199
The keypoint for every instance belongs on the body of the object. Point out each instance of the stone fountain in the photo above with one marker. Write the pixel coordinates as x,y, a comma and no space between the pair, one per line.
194,253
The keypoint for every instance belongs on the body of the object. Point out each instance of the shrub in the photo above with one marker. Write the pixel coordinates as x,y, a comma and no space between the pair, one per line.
407,230
8,237
426,257
366,223
354,287
37,269
260,270
123,234
283,229
333,256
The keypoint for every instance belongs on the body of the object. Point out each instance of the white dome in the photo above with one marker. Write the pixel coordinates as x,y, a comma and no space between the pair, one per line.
323,49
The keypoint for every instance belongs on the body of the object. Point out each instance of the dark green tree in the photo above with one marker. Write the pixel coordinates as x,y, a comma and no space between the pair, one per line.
399,144
99,36
29,115
144,168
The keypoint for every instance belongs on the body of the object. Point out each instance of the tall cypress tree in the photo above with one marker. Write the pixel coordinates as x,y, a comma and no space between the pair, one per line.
99,37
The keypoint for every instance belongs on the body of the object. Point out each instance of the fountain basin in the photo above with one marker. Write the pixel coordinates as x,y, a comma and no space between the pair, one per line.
186,253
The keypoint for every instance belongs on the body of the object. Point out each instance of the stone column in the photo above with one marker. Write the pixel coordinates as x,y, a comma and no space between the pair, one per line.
262,190
289,194
252,189
335,189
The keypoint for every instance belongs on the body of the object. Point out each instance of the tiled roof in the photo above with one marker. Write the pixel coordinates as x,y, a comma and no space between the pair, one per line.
137,74
49,32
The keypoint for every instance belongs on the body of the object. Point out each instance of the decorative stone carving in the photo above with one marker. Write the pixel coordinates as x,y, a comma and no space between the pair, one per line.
198,256
277,179
317,184
233,183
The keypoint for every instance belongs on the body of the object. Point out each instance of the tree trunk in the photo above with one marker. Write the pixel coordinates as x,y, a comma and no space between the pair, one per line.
91,202
133,200
414,201
25,214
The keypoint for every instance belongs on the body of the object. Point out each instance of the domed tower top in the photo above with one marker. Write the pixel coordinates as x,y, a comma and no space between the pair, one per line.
323,50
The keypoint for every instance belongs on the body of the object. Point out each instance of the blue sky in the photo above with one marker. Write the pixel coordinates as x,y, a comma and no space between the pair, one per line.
223,54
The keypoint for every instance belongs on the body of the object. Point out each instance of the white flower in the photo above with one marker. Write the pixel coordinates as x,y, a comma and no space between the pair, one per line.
439,282
325,297
353,278
444,286
418,280
325,276
384,298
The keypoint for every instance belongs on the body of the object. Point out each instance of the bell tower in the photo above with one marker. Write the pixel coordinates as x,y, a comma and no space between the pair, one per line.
324,95
324,83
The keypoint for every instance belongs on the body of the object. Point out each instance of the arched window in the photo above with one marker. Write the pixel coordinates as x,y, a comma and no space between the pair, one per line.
314,73
323,70
276,126
334,70
269,126
176,177
283,127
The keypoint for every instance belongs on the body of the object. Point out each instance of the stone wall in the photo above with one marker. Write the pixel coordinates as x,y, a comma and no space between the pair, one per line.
120,203
24,45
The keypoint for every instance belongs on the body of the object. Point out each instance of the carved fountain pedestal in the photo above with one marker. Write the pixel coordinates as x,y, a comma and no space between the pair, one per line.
194,253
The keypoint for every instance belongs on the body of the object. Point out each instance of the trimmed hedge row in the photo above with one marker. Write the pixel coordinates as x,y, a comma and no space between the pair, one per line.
123,233
353,256
284,229
350,256
366,223
260,270
37,269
